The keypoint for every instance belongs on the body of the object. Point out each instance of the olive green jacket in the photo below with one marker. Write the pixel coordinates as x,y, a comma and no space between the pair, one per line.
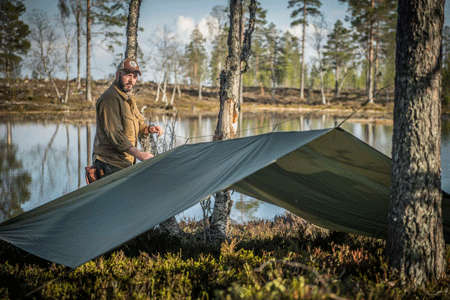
118,124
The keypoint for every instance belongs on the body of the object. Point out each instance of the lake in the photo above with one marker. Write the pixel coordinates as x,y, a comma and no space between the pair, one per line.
41,161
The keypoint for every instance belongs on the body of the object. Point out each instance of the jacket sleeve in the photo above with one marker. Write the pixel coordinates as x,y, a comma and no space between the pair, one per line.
142,124
109,116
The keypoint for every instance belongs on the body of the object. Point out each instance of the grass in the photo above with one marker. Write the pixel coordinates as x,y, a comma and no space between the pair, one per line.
286,258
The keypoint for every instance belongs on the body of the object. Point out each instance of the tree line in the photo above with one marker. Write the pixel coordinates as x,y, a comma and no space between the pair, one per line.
359,55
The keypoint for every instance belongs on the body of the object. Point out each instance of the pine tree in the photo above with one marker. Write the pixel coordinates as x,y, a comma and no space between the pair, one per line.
108,15
132,29
218,28
302,10
13,36
273,56
195,54
446,66
290,60
256,75
371,19
415,245
339,52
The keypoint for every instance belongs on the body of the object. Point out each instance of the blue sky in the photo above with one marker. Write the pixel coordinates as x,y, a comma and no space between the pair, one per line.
182,16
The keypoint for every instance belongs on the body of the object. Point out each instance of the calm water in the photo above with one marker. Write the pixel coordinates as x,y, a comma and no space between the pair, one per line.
46,160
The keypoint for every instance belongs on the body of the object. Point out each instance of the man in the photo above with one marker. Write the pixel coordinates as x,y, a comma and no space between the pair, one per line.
119,123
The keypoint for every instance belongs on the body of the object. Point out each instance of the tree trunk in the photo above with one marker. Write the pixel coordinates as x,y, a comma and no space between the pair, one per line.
376,58
302,64
272,72
370,60
49,75
415,245
66,95
322,91
336,81
241,39
200,88
229,103
132,28
170,225
88,145
164,99
78,22
159,87
88,51
229,79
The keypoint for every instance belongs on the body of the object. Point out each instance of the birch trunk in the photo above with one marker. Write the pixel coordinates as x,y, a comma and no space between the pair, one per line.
229,103
164,99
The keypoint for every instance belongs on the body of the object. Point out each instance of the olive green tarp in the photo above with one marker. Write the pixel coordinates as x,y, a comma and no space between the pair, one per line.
327,177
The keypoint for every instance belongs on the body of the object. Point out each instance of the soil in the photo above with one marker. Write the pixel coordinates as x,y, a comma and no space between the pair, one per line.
26,99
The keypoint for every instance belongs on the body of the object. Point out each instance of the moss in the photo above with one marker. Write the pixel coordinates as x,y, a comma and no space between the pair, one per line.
286,258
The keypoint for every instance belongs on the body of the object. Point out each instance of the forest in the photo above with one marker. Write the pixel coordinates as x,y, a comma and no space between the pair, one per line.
357,52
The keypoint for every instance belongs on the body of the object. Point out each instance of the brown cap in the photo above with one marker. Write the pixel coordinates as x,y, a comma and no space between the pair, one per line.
129,65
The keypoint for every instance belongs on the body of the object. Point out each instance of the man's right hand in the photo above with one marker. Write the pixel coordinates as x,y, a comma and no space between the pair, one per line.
139,154
144,155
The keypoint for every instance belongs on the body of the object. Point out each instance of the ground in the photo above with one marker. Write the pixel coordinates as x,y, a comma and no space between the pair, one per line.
35,99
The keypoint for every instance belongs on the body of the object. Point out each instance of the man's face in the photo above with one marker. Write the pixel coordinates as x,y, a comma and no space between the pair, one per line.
126,80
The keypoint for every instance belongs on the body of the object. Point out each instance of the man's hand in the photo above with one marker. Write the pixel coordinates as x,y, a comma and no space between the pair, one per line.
144,155
139,154
155,129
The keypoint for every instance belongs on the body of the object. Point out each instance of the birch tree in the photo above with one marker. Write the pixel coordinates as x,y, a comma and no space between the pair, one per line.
166,58
45,54
415,245
67,50
229,102
66,8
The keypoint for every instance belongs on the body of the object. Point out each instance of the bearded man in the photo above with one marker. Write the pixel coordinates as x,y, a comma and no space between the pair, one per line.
119,123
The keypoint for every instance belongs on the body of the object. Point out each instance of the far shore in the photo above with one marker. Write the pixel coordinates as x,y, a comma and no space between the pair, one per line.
34,100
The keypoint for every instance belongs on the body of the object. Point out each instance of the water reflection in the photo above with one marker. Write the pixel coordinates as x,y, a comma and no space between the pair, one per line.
51,157
14,179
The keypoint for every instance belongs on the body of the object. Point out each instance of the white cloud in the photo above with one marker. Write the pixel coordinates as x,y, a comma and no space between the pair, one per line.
185,25
310,41
203,26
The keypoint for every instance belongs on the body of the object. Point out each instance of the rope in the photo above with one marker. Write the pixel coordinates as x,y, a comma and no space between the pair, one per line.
274,127
364,104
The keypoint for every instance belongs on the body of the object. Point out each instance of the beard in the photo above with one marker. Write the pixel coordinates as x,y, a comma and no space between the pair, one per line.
123,87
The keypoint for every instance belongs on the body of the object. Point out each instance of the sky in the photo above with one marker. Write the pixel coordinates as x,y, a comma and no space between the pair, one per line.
181,16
